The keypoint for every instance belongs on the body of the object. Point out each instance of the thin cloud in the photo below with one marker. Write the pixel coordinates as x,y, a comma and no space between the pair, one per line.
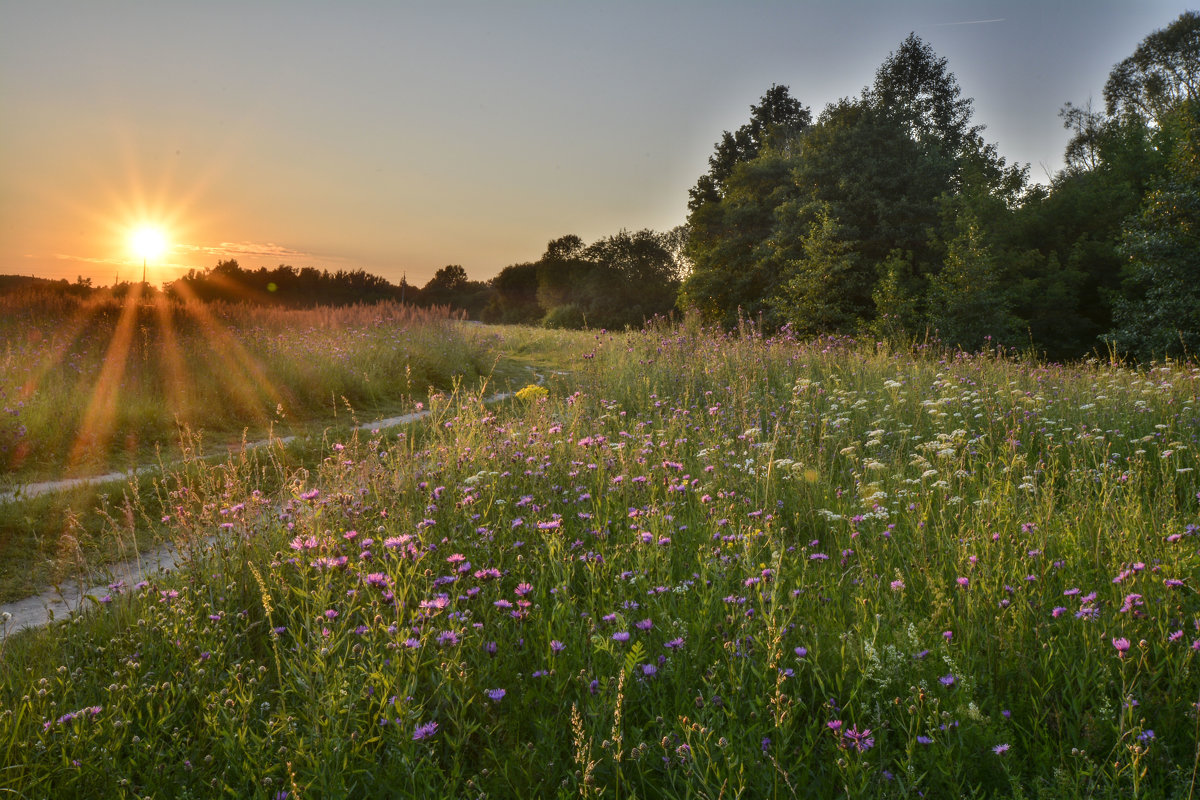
968,22
269,249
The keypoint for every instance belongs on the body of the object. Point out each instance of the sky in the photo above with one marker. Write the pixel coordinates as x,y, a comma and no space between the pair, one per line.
399,137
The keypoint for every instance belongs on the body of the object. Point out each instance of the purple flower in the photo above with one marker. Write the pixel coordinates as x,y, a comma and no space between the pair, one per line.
946,680
496,694
621,636
557,646
649,670
854,739
424,731
1000,749
673,644
1122,645
801,652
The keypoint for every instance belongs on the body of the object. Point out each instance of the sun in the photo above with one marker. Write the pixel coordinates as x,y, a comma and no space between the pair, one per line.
148,243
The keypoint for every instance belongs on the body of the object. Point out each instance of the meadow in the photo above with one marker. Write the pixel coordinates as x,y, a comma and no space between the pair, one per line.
690,564
102,382
108,383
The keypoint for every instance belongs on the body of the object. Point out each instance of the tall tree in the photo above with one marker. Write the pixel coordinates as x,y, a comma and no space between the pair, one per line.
730,276
778,115
818,295
1159,313
1163,71
914,87
968,303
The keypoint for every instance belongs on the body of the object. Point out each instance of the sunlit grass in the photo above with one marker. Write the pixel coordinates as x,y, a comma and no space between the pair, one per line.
93,385
700,566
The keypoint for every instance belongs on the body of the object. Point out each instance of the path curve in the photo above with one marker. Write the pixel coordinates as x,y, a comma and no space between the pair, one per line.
62,602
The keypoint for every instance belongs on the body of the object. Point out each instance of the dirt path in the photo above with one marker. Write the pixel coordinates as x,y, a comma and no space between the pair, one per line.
63,602
51,603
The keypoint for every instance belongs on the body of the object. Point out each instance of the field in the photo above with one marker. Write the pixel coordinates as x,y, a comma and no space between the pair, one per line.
689,564
93,386
100,383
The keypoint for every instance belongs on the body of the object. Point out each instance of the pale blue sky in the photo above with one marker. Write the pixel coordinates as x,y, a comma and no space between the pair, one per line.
398,137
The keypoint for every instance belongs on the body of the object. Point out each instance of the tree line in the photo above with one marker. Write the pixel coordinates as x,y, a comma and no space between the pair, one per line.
616,281
889,214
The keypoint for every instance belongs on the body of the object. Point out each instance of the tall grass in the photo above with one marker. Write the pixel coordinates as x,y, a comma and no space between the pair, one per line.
698,566
91,384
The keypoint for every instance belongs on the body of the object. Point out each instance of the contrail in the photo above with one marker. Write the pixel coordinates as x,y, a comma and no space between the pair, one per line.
968,22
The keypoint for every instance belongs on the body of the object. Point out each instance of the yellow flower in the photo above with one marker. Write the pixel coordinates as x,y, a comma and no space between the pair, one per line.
532,393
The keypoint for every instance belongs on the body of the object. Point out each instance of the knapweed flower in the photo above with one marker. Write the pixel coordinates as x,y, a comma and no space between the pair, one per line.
854,739
496,694
673,644
424,731
621,636
649,670
946,680
1000,749
801,652
1122,645
557,646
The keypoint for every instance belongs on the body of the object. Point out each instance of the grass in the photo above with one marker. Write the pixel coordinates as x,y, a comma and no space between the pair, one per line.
102,385
90,385
700,565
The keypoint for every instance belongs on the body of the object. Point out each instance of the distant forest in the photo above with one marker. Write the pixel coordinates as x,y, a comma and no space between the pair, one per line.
888,215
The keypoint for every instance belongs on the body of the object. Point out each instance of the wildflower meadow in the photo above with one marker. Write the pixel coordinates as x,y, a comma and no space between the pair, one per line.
686,564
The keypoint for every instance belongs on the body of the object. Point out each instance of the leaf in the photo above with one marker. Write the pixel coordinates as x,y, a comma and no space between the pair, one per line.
633,657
